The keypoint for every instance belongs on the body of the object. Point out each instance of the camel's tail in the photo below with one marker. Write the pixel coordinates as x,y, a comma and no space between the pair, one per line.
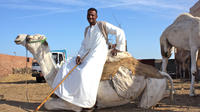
172,90
165,46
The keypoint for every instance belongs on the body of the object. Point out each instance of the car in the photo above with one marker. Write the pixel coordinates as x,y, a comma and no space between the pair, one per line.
59,56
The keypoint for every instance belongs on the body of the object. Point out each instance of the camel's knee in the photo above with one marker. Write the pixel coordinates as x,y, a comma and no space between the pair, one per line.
51,104
59,104
195,73
193,70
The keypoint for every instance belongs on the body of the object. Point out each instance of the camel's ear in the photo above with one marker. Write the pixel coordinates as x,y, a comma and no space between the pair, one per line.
28,38
45,43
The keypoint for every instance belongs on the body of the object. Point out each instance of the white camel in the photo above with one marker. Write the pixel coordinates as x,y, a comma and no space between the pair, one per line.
116,89
183,33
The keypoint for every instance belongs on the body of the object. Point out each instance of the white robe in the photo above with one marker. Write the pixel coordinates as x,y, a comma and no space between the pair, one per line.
81,86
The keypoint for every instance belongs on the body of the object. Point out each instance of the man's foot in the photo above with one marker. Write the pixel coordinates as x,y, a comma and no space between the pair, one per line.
54,95
88,109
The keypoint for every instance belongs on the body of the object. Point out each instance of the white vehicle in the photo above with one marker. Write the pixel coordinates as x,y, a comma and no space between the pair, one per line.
59,57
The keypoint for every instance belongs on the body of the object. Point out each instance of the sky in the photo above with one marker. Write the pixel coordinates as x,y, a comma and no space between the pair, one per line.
63,22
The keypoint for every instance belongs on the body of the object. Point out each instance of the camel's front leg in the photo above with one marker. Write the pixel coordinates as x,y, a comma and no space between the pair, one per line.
164,64
194,54
192,89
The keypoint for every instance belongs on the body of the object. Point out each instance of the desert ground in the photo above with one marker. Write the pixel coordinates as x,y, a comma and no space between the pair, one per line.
21,93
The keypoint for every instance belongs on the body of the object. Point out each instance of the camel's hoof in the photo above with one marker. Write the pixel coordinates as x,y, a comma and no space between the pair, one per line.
192,94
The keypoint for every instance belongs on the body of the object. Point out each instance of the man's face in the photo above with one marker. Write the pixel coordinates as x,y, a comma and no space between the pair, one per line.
91,17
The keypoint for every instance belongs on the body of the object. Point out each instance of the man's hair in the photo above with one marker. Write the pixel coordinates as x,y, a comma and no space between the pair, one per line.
92,9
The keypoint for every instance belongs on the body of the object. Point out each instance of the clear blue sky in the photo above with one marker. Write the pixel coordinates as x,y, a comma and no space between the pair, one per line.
63,22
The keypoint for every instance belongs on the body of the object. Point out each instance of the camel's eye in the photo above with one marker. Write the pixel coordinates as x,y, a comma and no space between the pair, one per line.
17,37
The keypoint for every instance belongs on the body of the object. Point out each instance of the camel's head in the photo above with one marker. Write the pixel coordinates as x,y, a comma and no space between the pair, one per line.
21,39
31,42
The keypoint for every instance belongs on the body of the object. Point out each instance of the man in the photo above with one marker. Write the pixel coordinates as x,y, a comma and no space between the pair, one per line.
80,88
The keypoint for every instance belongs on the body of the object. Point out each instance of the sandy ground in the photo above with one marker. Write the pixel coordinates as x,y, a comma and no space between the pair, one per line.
21,93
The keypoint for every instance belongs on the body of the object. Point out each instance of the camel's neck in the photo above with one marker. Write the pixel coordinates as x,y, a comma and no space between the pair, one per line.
48,66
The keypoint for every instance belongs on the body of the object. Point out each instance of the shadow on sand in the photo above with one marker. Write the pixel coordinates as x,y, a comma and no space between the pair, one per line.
30,107
20,82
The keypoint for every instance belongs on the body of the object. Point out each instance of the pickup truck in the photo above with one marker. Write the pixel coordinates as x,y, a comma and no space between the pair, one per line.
59,56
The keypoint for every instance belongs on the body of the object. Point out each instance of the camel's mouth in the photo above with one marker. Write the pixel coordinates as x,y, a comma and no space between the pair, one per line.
20,39
17,41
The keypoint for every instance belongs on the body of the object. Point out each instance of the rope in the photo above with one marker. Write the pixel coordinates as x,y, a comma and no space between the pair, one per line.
26,82
42,41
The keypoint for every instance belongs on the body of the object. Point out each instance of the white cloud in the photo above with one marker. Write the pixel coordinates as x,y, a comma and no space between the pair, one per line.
164,4
13,1
55,6
30,7
49,13
127,4
60,6
66,2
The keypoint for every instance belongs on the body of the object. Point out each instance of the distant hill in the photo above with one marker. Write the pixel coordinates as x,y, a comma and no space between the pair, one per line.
10,62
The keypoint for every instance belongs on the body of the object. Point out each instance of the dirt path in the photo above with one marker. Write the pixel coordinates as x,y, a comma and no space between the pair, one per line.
17,96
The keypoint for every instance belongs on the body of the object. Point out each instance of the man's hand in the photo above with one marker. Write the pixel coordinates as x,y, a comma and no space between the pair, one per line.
78,60
114,52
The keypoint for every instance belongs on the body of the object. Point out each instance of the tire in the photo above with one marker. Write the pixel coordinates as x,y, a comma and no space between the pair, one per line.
40,80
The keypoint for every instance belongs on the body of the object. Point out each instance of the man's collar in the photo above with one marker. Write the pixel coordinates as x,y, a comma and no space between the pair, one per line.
93,25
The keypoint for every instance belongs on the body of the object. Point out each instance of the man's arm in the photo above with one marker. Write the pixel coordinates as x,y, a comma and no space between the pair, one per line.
80,53
120,36
82,49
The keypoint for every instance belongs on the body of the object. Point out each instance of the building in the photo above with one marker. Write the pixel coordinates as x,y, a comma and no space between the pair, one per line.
195,10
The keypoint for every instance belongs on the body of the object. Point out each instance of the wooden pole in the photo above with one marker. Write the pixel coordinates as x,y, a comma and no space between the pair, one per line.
58,85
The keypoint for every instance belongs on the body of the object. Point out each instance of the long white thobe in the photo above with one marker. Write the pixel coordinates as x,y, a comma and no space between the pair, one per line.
81,86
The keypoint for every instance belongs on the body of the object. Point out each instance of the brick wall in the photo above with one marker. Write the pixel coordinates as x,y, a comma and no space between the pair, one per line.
9,62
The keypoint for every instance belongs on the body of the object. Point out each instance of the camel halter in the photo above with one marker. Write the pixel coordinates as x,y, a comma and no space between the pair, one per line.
35,41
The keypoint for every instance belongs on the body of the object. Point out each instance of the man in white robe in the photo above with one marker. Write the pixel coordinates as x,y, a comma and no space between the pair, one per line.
81,86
